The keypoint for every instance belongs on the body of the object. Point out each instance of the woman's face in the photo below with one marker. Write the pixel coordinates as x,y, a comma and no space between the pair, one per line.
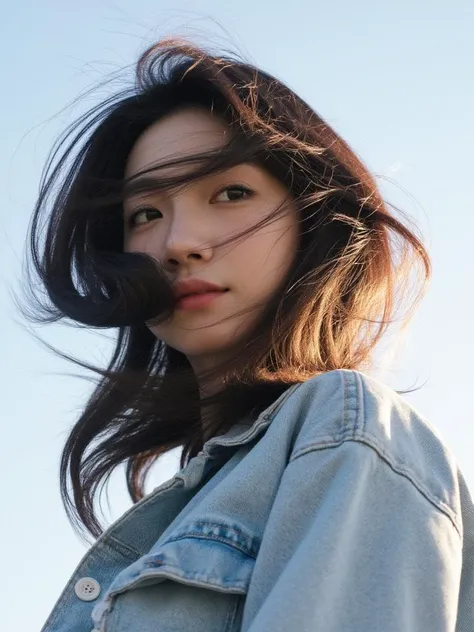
182,228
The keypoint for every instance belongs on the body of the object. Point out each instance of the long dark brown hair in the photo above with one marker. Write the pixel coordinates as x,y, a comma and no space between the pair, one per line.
354,262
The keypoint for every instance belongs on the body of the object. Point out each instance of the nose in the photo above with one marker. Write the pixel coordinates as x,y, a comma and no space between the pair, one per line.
185,242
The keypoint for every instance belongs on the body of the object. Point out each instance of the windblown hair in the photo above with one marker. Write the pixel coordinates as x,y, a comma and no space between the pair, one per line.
355,260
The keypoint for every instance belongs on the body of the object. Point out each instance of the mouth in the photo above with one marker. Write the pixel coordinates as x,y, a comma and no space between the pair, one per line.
198,301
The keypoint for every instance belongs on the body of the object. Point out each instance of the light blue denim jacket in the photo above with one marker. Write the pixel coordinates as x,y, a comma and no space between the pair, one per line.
339,509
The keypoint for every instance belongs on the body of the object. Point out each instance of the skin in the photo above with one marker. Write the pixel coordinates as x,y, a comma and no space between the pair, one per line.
182,228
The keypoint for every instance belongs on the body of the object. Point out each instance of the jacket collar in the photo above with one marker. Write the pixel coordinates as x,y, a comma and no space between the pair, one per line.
248,428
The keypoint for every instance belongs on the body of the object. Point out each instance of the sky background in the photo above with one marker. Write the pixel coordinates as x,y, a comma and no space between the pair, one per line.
396,79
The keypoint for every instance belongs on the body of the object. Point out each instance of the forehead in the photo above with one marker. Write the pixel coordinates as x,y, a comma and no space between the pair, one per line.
183,133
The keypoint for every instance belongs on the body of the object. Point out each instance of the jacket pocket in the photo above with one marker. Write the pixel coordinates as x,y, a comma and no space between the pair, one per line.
196,580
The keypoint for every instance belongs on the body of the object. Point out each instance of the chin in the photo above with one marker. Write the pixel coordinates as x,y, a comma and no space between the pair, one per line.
213,342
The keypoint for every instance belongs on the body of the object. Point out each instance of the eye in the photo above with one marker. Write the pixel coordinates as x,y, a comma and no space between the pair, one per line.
143,216
232,193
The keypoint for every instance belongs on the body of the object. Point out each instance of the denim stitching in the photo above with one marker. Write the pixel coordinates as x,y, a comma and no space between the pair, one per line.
397,468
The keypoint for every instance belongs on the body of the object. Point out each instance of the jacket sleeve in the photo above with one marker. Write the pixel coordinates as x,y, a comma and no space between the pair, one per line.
351,545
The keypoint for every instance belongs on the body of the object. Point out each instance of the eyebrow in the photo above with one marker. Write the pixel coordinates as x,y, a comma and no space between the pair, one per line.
140,185
148,182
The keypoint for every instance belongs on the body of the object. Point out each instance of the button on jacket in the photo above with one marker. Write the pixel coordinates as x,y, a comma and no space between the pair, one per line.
339,509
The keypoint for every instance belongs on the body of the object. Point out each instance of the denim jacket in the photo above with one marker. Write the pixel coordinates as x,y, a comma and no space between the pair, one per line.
339,509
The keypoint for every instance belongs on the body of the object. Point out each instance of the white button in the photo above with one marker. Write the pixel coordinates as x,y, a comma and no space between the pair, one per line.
87,589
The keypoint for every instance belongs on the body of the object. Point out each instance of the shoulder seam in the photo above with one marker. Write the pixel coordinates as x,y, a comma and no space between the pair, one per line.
365,440
361,433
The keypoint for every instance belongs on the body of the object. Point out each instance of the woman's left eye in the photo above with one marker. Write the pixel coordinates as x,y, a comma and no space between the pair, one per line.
232,194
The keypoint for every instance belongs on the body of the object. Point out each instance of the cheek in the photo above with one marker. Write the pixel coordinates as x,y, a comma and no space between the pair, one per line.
266,257
147,242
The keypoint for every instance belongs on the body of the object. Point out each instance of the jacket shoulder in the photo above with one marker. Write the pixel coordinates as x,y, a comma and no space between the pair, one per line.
346,405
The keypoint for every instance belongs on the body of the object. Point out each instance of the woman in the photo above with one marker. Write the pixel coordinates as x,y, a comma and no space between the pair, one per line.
250,266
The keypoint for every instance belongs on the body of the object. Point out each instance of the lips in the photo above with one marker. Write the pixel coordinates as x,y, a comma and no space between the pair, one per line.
191,287
201,293
198,300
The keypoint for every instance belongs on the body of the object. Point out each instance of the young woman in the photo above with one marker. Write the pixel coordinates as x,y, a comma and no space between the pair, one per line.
250,266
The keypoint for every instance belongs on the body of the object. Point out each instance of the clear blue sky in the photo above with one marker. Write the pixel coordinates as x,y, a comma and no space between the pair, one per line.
396,79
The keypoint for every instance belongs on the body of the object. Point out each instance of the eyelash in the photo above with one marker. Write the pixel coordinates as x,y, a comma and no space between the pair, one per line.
131,221
233,187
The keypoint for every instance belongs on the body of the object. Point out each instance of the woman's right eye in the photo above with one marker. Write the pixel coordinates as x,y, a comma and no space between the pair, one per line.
143,216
